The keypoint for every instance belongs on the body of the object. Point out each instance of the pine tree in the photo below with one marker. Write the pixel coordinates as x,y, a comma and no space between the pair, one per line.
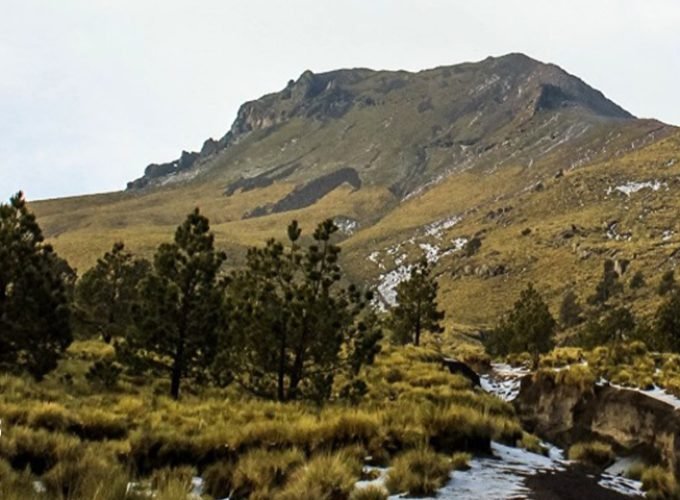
667,323
472,246
34,290
416,311
106,293
608,286
637,281
615,327
570,310
528,327
180,317
295,324
667,283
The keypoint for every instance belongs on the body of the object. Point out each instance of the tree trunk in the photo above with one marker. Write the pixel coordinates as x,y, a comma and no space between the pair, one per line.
176,376
416,340
281,391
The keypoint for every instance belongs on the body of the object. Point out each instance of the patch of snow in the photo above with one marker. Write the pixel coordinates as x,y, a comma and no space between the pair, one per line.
401,259
393,250
620,484
39,487
633,187
666,235
436,228
501,476
378,481
346,225
656,392
459,243
431,252
504,380
197,486
661,395
387,284
485,84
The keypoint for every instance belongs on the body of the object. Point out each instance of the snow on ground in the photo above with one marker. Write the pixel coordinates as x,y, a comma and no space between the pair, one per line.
634,186
613,477
431,252
621,484
504,380
381,475
387,284
656,393
459,243
436,228
500,476
346,225
666,235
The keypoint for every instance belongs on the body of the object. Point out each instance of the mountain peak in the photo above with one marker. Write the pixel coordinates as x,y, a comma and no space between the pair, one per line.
486,104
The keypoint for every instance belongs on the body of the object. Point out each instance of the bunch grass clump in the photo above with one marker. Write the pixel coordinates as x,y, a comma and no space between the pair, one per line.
594,453
370,492
325,476
418,472
659,484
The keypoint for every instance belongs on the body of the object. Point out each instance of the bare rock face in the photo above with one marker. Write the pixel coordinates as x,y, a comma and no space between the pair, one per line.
628,419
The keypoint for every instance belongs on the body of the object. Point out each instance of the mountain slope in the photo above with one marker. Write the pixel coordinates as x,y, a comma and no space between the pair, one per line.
413,162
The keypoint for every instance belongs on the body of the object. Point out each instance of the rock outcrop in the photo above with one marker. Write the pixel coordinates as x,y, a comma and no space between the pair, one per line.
412,129
631,420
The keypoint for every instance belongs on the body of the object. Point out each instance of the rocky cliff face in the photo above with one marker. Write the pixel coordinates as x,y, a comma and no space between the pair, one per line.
631,420
410,129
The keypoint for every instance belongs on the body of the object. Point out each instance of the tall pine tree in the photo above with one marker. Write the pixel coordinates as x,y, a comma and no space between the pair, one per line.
528,327
295,323
416,311
34,309
180,317
107,293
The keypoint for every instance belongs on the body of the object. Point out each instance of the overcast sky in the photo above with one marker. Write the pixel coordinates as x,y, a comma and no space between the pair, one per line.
91,91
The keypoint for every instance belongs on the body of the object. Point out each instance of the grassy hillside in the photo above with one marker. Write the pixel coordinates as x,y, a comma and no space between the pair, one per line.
550,175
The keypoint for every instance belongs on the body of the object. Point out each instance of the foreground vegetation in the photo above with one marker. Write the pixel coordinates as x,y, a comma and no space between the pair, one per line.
82,442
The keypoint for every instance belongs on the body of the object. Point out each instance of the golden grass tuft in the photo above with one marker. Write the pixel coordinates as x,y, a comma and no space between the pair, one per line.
370,492
324,477
419,472
660,484
594,453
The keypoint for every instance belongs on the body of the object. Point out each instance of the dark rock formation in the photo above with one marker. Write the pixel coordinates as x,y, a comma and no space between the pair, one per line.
309,193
